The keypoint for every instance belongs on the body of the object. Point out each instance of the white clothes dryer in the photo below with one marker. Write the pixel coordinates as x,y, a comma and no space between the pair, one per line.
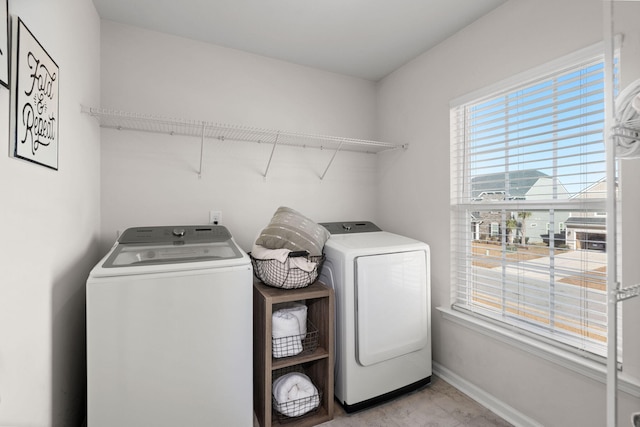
169,330
381,282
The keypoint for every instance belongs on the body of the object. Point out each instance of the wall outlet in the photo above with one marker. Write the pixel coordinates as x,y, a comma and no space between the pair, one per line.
215,217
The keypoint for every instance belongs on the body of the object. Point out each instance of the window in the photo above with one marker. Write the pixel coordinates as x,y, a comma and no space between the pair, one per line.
531,152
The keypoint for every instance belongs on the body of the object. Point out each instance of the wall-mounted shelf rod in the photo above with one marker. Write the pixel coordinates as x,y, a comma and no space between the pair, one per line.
273,149
201,152
113,119
330,161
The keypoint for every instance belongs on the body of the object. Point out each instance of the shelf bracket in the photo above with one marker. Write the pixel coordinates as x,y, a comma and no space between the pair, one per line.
273,149
201,150
331,161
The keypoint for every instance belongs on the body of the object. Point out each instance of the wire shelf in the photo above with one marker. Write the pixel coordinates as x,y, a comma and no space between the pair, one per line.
120,120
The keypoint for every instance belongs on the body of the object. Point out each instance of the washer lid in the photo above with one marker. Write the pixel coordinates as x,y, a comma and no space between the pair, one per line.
175,234
170,245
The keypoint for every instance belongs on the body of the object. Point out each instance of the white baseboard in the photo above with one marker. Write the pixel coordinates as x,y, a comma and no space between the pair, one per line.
487,400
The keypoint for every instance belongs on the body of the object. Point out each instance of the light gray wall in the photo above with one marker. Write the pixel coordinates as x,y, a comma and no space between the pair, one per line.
150,179
52,218
413,105
51,224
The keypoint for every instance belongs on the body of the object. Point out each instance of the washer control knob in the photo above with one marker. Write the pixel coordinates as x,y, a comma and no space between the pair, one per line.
178,232
347,227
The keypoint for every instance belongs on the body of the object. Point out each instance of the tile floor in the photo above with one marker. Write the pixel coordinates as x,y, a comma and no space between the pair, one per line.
437,405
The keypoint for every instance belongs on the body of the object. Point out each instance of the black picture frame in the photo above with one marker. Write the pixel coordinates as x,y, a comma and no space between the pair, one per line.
4,43
35,99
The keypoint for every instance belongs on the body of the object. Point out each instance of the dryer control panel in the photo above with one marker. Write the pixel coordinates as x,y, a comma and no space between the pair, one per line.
349,227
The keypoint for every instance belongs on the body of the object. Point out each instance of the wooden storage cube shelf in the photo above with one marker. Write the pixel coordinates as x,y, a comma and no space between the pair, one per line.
318,365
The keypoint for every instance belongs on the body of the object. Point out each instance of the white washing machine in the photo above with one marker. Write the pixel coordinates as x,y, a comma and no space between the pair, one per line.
169,330
383,316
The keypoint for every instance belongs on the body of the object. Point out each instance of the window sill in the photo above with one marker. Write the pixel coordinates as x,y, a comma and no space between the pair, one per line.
581,365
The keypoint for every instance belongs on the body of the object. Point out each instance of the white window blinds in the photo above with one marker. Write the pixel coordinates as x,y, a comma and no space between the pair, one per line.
527,195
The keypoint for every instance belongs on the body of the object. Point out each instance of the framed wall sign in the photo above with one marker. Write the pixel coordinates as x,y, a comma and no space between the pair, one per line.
4,43
34,99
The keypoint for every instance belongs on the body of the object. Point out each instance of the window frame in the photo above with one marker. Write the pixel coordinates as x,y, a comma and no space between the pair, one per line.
599,205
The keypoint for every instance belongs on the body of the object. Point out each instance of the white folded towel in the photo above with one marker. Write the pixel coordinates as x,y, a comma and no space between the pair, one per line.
302,263
295,394
282,255
300,311
260,252
285,331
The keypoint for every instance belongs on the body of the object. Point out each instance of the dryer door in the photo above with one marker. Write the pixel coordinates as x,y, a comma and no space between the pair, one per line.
391,305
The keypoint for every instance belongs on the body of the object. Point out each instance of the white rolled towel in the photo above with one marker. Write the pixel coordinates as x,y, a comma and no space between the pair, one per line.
300,311
295,394
285,331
